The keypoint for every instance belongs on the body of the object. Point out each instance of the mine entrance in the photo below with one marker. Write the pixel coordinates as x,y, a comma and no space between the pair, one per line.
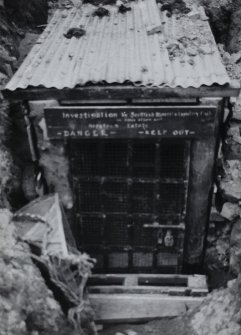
131,202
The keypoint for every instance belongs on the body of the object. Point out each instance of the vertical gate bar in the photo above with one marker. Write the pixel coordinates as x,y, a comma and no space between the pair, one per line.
129,209
79,219
187,152
156,191
100,162
74,225
157,176
187,173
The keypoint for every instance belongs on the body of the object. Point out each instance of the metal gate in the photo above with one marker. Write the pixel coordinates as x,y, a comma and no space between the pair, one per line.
130,202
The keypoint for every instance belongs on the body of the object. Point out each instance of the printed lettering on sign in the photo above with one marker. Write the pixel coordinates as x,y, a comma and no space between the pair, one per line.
129,122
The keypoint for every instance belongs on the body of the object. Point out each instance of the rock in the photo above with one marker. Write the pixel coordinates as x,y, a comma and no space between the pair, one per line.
130,332
233,169
154,30
119,3
236,57
230,211
194,15
203,15
226,57
28,182
235,248
237,139
215,216
234,40
231,283
52,303
9,70
191,61
221,48
231,190
5,218
219,313
237,112
233,130
231,150
191,51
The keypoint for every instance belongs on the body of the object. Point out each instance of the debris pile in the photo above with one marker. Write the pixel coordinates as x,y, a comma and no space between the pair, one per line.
27,306
101,12
42,225
75,32
122,8
174,7
220,312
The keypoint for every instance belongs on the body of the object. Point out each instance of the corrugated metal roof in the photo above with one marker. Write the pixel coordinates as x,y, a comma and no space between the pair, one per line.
117,49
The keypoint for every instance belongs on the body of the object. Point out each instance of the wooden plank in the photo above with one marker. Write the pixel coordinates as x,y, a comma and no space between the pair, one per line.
129,121
131,280
94,102
192,285
123,92
160,281
173,291
105,281
201,278
139,307
113,289
199,292
197,281
202,163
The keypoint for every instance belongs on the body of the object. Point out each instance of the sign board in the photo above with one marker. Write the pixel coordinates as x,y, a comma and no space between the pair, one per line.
129,121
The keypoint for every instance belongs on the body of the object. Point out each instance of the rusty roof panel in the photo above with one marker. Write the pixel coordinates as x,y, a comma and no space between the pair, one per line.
123,48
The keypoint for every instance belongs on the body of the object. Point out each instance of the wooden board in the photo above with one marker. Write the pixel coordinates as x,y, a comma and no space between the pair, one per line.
203,155
129,121
138,297
139,307
185,285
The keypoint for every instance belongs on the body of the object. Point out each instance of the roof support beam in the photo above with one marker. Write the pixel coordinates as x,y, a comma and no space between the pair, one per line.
125,92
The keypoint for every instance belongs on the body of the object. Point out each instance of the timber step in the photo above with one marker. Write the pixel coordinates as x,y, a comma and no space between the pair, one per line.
141,297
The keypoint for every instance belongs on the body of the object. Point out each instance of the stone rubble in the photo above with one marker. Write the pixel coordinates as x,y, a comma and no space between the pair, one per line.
220,313
27,306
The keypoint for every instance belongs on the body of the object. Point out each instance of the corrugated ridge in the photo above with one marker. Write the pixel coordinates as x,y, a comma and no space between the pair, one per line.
117,50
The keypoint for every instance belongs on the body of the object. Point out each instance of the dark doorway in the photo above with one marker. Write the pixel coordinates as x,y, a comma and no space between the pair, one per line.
130,202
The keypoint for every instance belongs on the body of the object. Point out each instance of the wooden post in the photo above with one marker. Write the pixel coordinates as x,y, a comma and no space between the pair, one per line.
52,154
202,164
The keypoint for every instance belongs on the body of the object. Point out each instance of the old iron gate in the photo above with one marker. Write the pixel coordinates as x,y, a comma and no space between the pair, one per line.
131,202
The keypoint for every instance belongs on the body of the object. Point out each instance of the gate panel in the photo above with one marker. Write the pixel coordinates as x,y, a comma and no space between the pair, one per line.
130,202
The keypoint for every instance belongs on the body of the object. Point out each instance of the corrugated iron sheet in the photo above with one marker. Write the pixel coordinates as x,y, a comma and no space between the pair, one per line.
117,49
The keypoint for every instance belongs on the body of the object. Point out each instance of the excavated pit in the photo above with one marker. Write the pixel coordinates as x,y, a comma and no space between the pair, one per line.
224,239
